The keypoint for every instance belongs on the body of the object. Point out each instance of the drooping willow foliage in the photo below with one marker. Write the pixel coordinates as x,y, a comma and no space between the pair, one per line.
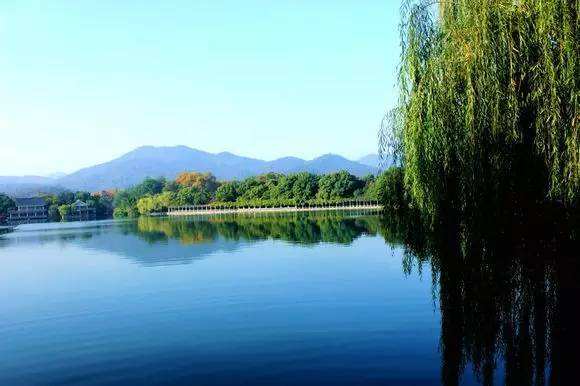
489,100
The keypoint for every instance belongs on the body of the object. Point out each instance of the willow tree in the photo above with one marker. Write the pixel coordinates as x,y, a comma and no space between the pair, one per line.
489,100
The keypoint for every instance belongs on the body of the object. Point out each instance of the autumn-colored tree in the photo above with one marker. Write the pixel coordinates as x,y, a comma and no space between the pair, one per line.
202,181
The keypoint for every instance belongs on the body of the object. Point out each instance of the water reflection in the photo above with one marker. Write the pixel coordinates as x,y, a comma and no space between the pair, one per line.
508,295
299,228
152,241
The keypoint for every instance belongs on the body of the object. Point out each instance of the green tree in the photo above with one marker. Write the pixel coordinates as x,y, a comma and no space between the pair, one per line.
489,102
65,197
103,203
145,205
285,188
6,203
257,188
149,186
83,196
227,191
64,211
337,185
192,196
389,189
121,212
50,199
164,200
171,186
156,204
367,186
125,202
54,213
305,186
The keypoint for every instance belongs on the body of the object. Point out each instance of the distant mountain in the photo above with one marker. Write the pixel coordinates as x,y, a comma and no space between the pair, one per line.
28,186
38,180
374,160
16,189
149,161
330,163
56,175
370,160
285,165
133,167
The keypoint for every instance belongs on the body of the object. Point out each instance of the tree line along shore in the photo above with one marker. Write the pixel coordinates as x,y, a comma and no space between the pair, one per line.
267,190
157,195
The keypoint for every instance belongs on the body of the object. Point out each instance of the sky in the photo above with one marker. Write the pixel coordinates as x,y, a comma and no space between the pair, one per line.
83,82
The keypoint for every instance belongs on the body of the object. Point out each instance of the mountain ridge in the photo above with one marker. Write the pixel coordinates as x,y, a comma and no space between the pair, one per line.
168,161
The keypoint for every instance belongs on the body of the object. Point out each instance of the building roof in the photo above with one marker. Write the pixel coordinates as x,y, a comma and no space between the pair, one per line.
30,201
79,203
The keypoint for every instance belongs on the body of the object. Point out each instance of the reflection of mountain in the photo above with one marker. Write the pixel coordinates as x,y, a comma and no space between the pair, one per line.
162,251
508,298
124,239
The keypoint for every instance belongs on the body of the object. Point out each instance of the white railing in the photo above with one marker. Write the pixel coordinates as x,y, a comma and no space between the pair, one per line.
345,204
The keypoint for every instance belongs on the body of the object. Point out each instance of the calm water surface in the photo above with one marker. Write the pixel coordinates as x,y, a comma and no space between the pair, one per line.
280,300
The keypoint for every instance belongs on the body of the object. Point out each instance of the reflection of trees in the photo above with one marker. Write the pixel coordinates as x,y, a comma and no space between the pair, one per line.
303,228
508,294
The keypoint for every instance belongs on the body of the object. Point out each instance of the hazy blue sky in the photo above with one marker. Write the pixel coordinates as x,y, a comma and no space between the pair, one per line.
82,82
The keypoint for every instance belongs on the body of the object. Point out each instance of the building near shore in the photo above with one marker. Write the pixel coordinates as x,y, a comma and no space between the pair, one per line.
28,211
81,211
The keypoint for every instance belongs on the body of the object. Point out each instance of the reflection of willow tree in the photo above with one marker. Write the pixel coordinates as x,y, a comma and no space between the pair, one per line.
303,228
508,296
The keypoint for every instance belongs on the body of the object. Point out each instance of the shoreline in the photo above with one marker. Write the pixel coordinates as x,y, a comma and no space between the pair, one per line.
6,229
287,209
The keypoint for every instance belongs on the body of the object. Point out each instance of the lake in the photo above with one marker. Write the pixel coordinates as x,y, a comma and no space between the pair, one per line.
310,299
